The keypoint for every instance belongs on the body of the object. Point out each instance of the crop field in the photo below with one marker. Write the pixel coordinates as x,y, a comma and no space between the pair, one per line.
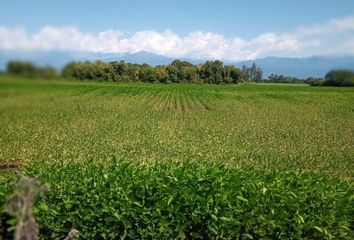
157,161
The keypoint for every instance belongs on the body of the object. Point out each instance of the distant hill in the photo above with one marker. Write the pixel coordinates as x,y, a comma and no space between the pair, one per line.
301,67
146,57
316,66
53,58
59,58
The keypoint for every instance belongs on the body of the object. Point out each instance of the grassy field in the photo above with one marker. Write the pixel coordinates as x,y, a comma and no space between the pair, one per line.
65,130
266,126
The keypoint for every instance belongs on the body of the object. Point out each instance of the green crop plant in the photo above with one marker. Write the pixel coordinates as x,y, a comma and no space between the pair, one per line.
178,200
158,161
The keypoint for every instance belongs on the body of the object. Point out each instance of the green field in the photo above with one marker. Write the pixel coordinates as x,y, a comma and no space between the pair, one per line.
266,126
274,134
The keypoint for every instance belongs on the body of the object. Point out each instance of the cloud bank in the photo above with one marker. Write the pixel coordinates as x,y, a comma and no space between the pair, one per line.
333,37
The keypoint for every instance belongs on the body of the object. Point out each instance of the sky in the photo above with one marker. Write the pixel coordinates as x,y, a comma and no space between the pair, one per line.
223,29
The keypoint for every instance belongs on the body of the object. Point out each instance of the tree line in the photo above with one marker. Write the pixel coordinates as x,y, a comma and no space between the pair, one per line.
29,69
275,78
178,71
338,78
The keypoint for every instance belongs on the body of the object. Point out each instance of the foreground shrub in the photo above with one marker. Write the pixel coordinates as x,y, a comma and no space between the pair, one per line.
191,200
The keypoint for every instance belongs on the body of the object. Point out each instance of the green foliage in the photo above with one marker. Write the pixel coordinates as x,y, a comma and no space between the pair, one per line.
98,70
28,69
232,74
177,72
212,71
252,73
190,200
274,78
162,161
6,221
264,125
338,78
315,81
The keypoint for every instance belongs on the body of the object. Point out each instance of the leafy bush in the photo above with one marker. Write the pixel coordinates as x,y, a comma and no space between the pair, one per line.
29,69
190,200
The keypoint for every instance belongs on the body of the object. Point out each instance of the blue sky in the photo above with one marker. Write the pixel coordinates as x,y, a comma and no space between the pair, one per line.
226,29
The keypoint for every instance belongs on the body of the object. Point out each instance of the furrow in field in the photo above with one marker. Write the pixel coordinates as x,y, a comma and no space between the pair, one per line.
142,99
204,103
184,103
196,105
155,99
137,92
189,102
163,101
170,102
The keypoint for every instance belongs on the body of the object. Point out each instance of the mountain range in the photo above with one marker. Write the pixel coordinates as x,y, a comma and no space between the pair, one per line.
315,66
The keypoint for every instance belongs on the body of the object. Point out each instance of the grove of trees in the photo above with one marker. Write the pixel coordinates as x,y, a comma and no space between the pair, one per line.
252,73
176,72
339,78
274,78
214,72
179,71
28,69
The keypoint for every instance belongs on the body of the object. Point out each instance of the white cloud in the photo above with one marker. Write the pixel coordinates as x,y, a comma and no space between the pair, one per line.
330,27
331,37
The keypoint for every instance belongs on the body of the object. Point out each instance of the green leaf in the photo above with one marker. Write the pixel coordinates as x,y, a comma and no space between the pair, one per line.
170,200
226,219
138,204
248,236
239,197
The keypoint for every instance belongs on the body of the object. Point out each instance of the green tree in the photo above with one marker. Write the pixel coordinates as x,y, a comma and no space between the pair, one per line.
212,72
341,78
148,74
252,73
161,74
29,69
232,74
246,72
